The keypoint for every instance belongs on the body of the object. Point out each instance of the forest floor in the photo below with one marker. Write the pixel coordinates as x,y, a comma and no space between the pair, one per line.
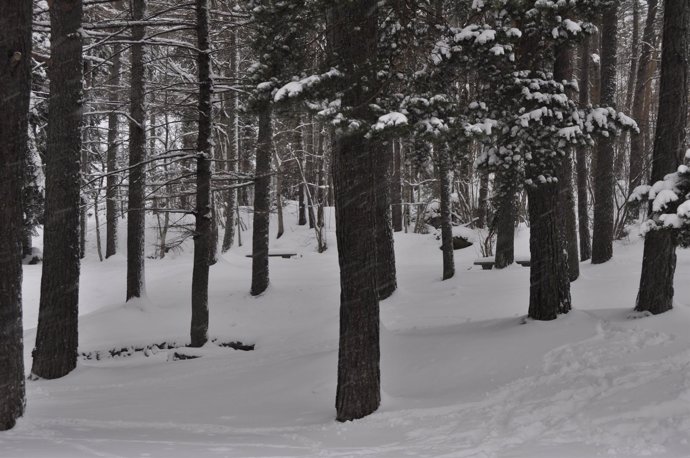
462,376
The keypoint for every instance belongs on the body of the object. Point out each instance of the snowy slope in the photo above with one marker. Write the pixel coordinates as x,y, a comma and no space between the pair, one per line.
462,377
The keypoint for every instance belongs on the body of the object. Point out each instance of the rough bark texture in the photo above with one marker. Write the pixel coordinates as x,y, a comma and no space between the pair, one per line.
549,293
232,129
15,85
396,187
659,259
262,202
446,181
352,42
203,212
55,353
298,146
581,160
136,205
385,249
505,227
639,113
602,231
111,159
563,71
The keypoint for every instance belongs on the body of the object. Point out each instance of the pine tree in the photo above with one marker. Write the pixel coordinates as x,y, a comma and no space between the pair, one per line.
55,353
659,260
602,231
15,85
112,153
136,204
204,153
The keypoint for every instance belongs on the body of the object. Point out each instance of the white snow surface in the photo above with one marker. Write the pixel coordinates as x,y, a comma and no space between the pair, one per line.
461,375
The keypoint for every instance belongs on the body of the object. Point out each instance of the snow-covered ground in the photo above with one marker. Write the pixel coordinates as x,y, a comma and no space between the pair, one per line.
461,376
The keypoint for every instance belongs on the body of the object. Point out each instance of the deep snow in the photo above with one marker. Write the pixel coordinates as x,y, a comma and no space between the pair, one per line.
462,377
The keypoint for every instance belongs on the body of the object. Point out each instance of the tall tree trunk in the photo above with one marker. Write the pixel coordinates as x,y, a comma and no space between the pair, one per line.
55,354
232,156
581,159
602,233
385,250
136,205
549,292
203,212
309,169
446,180
659,260
262,202
15,85
353,39
396,186
505,225
563,71
111,159
298,148
640,107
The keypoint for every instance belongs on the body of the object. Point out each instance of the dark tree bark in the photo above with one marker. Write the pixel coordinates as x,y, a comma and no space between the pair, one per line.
55,354
15,85
396,187
581,159
309,169
659,260
111,159
353,39
136,205
563,71
505,225
385,249
602,232
634,54
298,146
203,212
549,293
445,179
639,105
232,129
262,202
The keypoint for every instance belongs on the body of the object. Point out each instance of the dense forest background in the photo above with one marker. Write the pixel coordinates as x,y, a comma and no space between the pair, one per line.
193,118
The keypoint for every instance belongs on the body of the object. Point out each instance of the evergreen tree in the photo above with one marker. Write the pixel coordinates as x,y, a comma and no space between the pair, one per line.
671,178
15,85
55,353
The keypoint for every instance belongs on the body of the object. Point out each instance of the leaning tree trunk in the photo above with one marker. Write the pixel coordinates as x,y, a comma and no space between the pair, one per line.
446,180
262,202
136,204
111,158
659,260
353,40
602,233
549,292
203,212
581,160
639,113
55,354
15,85
232,156
563,71
385,250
